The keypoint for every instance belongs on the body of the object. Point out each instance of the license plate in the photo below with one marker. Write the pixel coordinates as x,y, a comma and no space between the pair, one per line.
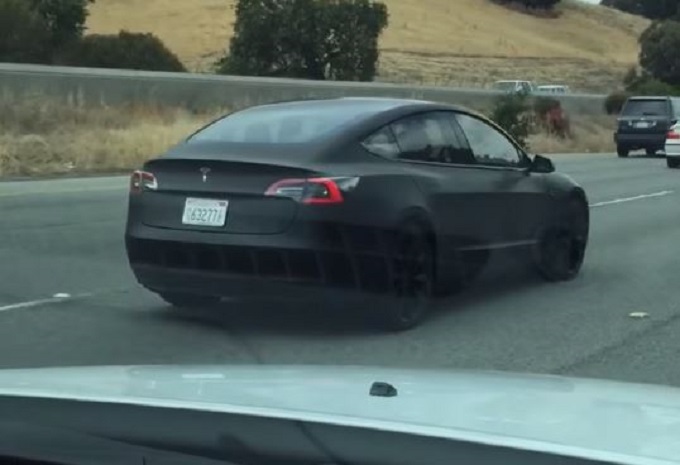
642,124
205,212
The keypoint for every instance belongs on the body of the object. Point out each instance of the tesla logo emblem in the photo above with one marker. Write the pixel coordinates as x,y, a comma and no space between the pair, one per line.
204,172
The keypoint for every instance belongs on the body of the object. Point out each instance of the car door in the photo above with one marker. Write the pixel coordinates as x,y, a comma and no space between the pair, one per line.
517,199
440,163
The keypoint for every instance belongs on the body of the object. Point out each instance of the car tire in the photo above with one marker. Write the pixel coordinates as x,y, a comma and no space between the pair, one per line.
186,300
412,284
622,152
672,162
650,152
560,251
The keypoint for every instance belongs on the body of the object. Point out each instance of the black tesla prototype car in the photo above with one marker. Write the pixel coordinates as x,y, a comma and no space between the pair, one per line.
393,201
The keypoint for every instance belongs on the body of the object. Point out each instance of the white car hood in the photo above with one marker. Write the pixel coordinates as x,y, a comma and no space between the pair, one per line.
629,419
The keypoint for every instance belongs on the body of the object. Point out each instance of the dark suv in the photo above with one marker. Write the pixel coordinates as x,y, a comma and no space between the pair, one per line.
644,123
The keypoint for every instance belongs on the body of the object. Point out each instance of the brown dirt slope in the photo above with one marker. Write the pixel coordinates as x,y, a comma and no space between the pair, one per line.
456,42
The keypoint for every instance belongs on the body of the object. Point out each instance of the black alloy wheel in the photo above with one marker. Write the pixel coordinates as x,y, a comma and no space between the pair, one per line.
560,252
412,282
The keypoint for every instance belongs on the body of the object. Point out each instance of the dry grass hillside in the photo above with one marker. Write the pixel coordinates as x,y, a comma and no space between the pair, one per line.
457,42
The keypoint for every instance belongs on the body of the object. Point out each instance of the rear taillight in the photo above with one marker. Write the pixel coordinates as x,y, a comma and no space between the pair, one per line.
672,134
313,190
142,180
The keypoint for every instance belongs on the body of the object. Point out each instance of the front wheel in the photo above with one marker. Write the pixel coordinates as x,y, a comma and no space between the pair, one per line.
560,251
672,162
409,298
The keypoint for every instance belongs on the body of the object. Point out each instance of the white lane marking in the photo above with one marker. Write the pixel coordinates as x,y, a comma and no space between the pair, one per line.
60,297
630,199
64,191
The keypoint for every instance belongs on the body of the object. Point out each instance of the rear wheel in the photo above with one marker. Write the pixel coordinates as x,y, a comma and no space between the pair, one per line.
673,162
561,249
650,152
412,284
186,300
622,152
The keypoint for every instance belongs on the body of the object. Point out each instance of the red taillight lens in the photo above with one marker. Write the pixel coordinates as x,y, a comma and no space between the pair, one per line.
313,190
141,180
672,134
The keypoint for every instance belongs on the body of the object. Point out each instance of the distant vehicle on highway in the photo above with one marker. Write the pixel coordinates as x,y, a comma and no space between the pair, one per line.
514,86
553,89
400,200
672,146
644,123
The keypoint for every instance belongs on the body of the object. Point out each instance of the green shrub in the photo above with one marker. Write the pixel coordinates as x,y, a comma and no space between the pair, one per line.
512,113
653,86
125,50
614,102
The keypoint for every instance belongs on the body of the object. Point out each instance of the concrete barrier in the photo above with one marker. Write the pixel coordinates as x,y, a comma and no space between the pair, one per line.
204,91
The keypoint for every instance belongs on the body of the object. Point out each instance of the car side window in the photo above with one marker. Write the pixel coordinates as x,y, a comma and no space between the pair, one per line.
429,137
489,146
382,143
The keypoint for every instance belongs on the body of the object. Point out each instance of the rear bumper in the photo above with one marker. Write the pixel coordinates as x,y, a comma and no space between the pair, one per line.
278,266
640,141
672,150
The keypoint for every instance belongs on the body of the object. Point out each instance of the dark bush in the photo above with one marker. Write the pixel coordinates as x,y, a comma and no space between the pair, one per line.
543,105
652,9
533,4
126,50
24,36
614,102
513,113
313,39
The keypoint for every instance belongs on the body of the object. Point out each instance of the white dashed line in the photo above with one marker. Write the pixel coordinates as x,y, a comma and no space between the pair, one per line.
630,199
60,297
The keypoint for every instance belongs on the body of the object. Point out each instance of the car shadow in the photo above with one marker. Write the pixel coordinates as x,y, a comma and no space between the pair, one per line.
338,318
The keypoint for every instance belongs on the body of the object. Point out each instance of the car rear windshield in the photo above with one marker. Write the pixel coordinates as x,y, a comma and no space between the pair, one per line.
651,107
505,85
281,124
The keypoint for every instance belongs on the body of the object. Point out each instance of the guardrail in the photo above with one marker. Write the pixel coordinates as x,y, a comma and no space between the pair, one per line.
204,91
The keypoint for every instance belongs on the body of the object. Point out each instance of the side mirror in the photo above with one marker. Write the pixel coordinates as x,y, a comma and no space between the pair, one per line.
541,164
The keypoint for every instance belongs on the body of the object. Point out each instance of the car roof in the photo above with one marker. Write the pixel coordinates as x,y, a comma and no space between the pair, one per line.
371,104
649,97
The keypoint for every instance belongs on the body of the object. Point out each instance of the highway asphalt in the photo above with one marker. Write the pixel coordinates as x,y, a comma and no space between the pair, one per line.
67,296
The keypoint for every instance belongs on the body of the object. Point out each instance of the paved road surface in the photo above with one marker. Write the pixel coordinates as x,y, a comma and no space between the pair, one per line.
65,237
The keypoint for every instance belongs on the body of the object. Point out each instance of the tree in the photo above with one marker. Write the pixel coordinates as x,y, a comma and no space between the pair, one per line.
125,50
658,51
23,34
652,9
314,39
65,19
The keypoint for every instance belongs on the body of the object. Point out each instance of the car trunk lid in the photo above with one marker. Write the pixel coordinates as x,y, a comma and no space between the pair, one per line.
224,195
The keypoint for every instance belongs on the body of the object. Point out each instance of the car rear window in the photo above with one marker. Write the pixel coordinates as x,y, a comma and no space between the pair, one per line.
505,85
281,124
651,107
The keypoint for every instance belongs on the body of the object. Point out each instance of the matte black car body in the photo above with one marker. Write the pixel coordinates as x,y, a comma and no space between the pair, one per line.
644,122
278,246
